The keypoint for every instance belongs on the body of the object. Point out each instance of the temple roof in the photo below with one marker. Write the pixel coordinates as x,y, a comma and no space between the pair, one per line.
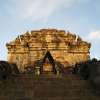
45,36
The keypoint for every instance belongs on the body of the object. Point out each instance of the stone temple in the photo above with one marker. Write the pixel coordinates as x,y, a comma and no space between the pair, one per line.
47,46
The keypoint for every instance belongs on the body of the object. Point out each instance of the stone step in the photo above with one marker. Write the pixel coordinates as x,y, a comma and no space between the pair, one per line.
29,87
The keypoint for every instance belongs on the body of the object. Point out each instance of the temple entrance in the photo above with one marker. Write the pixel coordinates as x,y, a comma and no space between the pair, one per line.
47,66
48,63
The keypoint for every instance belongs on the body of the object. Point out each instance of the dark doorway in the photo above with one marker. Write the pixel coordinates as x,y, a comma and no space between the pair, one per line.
48,63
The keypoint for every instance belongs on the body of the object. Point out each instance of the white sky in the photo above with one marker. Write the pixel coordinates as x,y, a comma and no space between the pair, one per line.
78,16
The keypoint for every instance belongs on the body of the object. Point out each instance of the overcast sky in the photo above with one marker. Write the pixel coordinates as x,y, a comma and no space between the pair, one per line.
81,17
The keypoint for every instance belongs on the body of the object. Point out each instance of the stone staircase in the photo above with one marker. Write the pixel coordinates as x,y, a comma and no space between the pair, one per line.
46,87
